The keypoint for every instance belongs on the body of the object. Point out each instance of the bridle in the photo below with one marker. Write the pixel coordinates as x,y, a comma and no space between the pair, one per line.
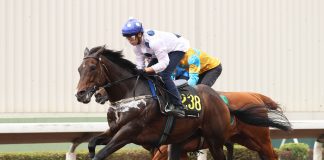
103,68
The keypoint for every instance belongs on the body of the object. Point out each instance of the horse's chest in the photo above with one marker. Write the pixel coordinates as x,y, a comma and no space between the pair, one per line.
127,107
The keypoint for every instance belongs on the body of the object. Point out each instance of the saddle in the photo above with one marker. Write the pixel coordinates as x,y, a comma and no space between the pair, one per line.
189,97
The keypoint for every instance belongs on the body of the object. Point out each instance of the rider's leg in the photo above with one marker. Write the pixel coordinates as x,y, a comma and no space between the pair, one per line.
209,77
174,94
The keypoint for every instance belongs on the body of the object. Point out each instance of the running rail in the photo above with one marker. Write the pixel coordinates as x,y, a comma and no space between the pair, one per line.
76,133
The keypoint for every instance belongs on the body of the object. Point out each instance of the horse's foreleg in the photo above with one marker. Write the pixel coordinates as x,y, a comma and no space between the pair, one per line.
175,152
124,136
230,148
101,139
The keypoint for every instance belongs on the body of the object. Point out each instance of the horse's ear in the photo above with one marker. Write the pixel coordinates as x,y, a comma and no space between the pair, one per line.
100,51
86,52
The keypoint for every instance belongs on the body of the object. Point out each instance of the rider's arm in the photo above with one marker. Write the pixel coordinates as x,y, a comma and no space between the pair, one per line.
140,59
194,68
180,73
162,56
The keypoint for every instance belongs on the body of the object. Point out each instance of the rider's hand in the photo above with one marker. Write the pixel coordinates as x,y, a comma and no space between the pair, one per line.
146,71
141,72
149,70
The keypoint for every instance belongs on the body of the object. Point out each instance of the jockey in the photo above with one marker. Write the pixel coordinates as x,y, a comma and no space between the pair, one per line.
198,68
165,51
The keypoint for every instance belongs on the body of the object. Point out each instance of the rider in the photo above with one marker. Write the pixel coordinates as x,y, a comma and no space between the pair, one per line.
165,51
199,68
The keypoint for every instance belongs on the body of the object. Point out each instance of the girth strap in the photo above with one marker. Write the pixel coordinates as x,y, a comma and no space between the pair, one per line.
167,129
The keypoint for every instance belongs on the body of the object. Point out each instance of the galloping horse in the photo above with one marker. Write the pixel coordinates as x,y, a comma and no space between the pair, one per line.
253,137
139,120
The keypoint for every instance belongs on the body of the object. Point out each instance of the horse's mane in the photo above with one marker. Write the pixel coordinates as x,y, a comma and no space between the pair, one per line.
117,57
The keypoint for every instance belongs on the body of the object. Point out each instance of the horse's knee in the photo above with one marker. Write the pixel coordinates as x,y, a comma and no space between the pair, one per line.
92,146
92,141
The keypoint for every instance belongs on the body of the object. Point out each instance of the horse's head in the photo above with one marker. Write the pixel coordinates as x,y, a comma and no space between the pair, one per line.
92,74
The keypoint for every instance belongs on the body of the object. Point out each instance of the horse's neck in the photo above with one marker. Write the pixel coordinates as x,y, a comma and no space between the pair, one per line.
125,89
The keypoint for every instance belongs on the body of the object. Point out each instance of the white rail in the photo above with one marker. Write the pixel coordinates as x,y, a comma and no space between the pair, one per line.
18,133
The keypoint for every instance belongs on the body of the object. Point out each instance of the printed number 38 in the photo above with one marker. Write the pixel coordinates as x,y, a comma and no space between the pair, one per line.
195,101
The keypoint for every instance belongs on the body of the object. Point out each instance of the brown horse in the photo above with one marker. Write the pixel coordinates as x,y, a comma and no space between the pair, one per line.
139,120
254,138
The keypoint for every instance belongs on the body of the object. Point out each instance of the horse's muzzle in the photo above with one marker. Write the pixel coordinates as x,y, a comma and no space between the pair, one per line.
84,96
100,98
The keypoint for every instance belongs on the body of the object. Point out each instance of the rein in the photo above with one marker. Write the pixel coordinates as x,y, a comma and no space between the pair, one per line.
110,84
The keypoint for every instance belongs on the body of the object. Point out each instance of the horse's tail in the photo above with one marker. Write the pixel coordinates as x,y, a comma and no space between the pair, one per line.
267,101
261,115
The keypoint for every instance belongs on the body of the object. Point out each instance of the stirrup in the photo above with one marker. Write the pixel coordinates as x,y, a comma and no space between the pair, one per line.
179,112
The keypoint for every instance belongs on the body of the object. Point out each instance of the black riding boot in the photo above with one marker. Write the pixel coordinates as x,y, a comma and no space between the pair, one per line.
177,110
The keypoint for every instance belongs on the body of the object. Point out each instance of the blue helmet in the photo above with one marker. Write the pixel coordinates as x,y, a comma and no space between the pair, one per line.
132,27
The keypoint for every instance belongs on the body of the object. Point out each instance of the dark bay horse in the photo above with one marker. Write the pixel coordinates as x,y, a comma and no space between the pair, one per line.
138,118
253,137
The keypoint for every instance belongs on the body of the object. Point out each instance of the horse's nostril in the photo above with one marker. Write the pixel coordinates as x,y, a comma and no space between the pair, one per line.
80,93
97,95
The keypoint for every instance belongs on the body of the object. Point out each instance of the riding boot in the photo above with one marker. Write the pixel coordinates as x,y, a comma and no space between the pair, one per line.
177,110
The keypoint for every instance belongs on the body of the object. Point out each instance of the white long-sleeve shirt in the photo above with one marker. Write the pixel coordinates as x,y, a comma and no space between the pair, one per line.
159,44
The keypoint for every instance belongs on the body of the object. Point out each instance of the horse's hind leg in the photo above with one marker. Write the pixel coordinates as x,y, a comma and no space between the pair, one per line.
263,142
216,150
261,145
267,152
